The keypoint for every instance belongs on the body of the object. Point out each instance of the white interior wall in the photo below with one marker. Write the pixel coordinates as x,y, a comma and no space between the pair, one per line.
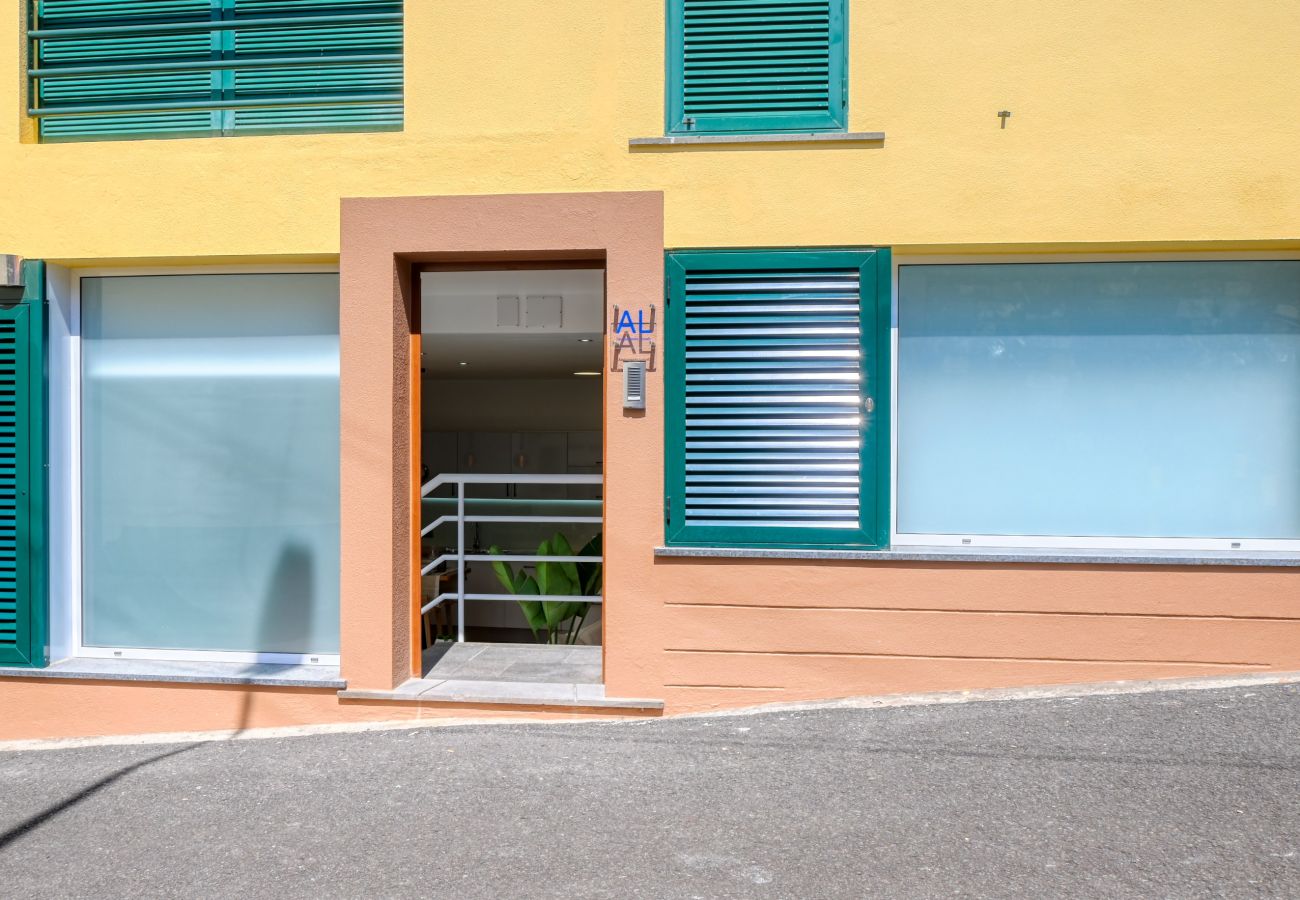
535,404
565,408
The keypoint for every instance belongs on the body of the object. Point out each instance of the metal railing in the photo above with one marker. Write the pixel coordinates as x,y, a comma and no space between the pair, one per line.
459,558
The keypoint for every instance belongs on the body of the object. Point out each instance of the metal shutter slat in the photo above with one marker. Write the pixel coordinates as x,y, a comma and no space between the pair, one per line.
157,68
767,64
792,459
21,524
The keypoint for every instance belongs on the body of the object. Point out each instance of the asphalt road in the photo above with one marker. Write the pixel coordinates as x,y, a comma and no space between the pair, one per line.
1164,795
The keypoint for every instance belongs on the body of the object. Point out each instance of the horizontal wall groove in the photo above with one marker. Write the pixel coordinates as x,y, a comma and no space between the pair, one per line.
728,687
1010,659
983,612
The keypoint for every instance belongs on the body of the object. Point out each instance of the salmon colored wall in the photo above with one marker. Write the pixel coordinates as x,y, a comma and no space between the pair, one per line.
697,633
43,709
382,238
704,633
741,632
715,633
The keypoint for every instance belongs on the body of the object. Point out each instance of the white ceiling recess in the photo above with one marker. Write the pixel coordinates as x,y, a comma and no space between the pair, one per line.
512,323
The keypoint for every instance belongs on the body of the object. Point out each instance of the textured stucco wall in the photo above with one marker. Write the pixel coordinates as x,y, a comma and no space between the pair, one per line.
1131,122
382,237
1134,125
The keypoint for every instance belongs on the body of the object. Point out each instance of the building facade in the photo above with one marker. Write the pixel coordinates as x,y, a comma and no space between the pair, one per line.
964,344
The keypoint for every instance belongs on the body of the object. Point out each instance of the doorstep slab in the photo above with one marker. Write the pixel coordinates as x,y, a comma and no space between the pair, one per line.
505,693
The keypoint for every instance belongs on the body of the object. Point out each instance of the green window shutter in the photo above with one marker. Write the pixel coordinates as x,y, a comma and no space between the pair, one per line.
756,66
177,68
23,604
777,398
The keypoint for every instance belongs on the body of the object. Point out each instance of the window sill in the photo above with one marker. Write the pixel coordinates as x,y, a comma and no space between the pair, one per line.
1027,555
815,137
259,674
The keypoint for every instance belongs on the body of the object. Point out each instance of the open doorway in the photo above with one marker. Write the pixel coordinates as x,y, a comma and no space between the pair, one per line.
511,437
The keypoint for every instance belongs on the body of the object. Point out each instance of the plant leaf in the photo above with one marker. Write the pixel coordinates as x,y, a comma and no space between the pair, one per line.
532,609
560,546
505,574
589,574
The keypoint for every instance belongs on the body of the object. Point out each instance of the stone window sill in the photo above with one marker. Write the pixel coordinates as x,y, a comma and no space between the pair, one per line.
1003,555
706,140
157,671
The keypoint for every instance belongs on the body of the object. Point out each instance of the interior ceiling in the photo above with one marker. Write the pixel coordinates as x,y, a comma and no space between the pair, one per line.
509,356
461,324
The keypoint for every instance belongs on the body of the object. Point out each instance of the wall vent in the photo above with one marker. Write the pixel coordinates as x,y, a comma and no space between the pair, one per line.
634,384
543,311
507,311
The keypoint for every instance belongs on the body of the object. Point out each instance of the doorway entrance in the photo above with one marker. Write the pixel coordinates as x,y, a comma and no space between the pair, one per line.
510,442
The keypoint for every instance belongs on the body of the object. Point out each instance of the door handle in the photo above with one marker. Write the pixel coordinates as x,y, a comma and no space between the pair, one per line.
869,404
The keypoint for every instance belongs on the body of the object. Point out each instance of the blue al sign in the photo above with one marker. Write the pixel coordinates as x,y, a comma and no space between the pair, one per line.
633,333
639,327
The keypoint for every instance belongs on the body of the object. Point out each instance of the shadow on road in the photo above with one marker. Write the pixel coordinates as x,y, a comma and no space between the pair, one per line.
286,607
33,822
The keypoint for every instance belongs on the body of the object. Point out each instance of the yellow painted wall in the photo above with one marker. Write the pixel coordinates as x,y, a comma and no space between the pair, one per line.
1131,122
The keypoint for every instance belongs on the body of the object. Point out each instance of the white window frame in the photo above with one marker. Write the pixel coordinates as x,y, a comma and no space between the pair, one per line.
66,537
1054,542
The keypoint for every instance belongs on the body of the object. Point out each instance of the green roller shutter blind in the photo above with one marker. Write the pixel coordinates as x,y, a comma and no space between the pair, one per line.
756,66
159,68
777,398
23,603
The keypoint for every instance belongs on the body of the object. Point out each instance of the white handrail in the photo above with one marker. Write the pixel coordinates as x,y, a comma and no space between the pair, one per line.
505,557
544,598
454,478
461,557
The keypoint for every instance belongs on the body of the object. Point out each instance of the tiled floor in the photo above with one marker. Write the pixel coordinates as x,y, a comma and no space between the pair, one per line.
528,675
531,663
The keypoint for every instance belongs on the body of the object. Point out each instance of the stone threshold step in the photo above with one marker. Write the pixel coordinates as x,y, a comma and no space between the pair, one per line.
184,672
543,695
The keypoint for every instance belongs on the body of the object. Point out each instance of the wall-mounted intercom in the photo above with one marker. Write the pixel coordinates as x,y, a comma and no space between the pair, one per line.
634,384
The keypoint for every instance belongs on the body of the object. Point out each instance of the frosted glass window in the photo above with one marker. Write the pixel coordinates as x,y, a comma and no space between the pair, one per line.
210,462
1143,399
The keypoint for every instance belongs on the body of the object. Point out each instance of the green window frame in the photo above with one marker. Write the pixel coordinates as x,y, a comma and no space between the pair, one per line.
777,398
24,604
210,68
757,66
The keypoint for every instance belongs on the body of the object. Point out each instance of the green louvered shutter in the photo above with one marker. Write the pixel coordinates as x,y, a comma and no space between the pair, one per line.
22,478
756,66
776,398
158,68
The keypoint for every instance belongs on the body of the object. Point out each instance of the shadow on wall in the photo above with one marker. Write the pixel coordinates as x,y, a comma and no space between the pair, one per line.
287,621
288,613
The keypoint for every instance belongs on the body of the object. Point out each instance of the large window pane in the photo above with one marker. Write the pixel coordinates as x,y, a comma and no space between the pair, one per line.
210,462
1148,399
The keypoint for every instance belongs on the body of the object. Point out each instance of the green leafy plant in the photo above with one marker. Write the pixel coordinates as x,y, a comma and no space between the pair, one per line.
554,621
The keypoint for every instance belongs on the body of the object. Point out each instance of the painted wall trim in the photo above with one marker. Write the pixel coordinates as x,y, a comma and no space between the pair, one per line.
264,675
1020,555
812,137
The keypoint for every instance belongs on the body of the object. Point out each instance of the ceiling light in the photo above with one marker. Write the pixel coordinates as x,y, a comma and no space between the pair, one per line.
586,373
463,364
584,340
